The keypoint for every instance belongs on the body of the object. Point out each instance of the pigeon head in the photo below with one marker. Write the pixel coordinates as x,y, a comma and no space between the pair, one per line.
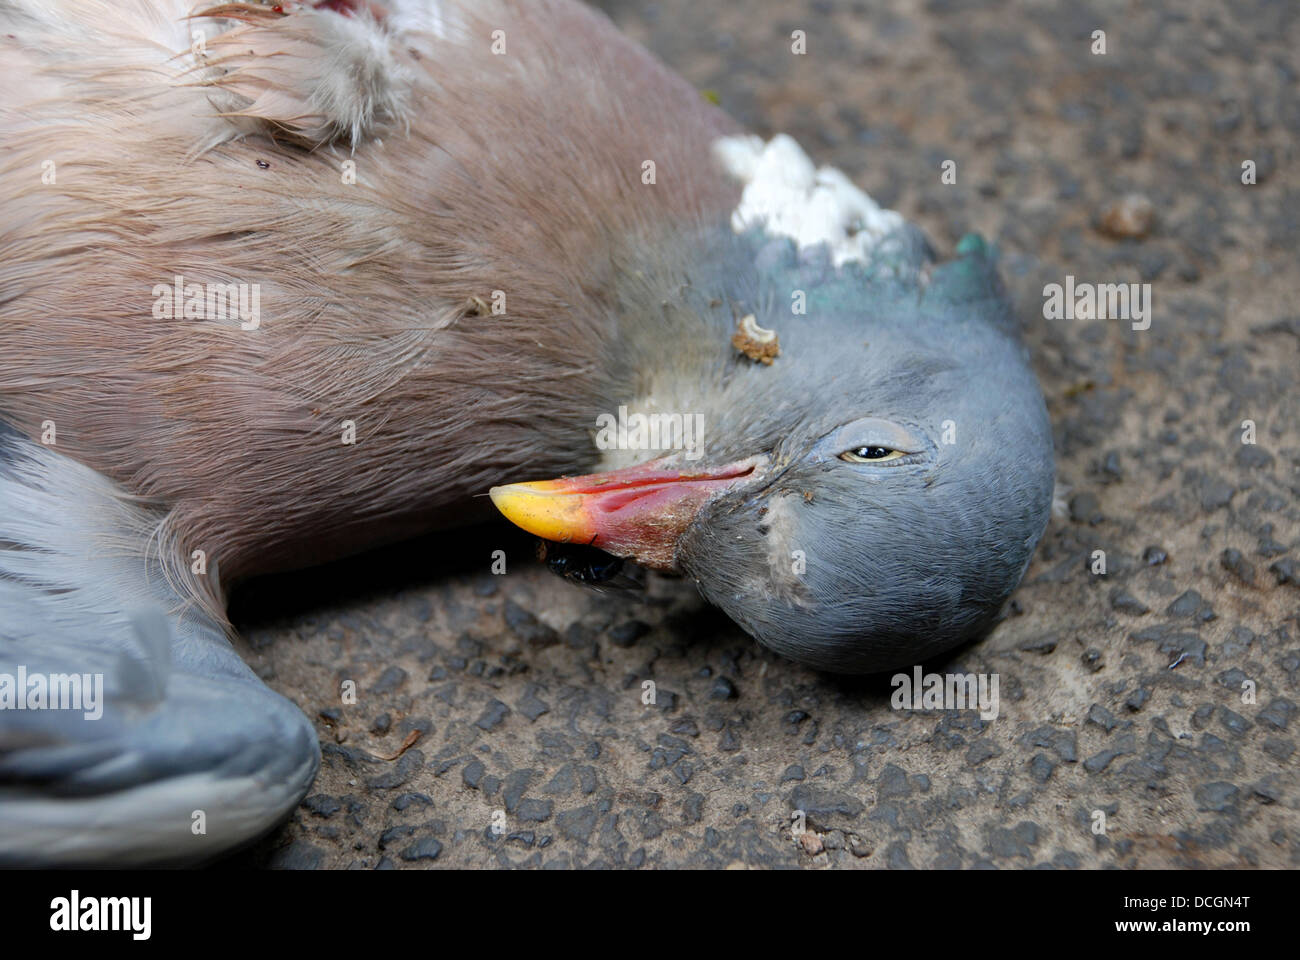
866,499
899,508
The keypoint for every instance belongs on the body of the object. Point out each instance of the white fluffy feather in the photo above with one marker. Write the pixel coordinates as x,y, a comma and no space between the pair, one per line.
788,196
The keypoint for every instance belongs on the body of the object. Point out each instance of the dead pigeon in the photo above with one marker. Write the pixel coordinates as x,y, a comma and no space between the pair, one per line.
281,282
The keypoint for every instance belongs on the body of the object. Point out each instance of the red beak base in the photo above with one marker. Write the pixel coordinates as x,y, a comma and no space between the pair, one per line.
638,512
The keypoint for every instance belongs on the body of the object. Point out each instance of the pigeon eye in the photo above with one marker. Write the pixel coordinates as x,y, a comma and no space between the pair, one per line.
873,441
871,455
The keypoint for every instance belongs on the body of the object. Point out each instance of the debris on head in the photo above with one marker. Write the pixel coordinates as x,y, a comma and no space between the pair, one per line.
755,342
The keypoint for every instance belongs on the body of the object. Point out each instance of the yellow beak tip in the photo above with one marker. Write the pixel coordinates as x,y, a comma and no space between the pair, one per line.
542,512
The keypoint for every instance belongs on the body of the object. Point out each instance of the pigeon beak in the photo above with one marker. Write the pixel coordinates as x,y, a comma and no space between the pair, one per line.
637,512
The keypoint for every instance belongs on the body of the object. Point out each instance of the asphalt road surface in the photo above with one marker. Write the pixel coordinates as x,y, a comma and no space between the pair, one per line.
1147,714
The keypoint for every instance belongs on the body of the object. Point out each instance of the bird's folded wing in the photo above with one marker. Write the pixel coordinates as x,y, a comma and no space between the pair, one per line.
130,730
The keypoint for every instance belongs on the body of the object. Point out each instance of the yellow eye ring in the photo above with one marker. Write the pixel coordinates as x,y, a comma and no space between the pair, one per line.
871,454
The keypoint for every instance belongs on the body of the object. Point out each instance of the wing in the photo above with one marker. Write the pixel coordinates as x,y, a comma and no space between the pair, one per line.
130,730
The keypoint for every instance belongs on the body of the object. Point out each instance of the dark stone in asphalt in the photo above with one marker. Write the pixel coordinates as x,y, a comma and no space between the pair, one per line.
323,805
402,770
1043,645
1238,566
1234,722
563,783
823,806
893,782
299,855
395,834
531,706
388,681
896,857
626,634
1041,767
1218,797
1280,750
1098,762
534,810
1187,605
979,752
426,848
516,783
1102,717
686,727
577,824
527,627
492,716
722,689
1285,572
1154,556
1016,842
405,800
1278,713
473,773
1125,602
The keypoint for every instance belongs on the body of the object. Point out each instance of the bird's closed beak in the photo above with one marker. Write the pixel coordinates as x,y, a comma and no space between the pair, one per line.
637,512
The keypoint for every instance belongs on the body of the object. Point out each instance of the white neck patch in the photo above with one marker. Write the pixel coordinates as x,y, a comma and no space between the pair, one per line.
788,197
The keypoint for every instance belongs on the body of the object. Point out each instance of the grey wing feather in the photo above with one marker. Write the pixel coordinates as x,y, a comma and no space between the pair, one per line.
172,749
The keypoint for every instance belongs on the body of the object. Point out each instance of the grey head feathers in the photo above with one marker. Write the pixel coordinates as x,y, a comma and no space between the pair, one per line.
856,566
